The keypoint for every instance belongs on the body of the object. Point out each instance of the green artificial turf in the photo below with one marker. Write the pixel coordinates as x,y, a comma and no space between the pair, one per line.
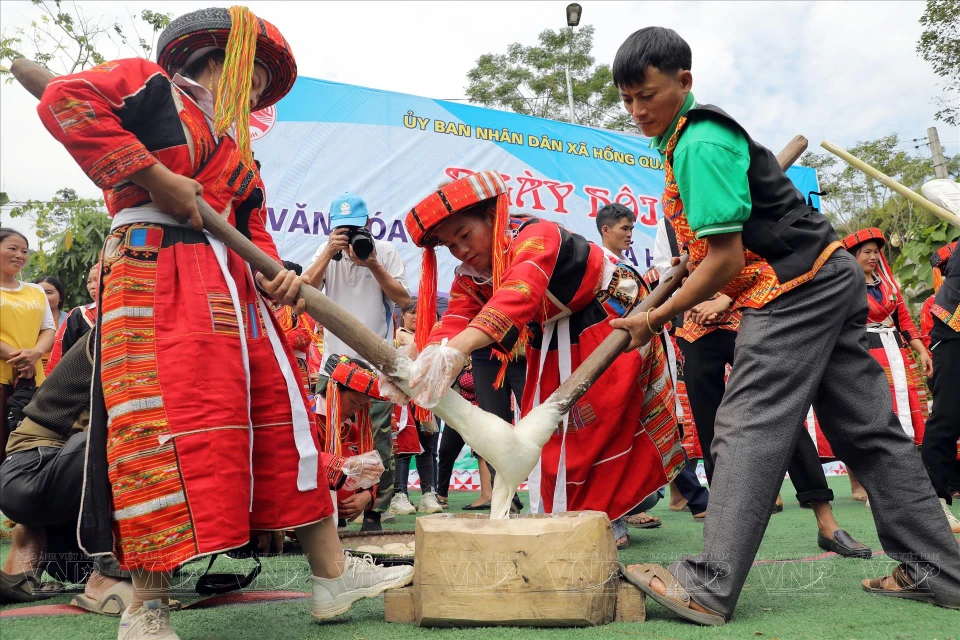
818,600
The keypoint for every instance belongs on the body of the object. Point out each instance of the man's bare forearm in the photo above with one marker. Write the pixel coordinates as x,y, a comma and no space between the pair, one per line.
723,262
391,286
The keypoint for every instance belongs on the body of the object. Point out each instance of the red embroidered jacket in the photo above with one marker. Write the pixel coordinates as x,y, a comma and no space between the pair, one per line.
926,321
124,116
551,270
80,320
892,309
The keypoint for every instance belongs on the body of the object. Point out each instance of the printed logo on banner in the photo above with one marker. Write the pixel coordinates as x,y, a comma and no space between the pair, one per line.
261,122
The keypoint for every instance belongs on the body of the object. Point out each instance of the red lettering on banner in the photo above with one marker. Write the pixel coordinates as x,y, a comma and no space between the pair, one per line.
599,197
531,185
530,195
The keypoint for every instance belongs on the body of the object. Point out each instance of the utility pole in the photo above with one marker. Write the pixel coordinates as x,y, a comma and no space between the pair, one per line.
939,163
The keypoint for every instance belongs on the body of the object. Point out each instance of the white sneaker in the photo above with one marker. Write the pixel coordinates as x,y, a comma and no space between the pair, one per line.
149,622
361,579
952,519
400,505
429,504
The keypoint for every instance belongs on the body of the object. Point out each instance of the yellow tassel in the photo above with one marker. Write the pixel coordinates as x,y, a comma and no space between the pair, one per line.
233,94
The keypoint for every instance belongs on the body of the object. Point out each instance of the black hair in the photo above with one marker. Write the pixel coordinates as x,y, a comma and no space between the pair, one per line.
656,47
611,214
6,232
56,285
293,266
412,306
196,67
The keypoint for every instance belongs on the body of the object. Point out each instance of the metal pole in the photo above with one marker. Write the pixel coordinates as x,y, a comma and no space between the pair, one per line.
939,163
569,83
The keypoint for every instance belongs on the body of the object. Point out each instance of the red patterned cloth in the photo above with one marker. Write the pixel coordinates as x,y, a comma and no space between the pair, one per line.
926,321
179,445
198,457
625,426
353,443
80,320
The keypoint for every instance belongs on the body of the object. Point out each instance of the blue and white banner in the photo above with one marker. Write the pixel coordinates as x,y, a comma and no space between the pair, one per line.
393,149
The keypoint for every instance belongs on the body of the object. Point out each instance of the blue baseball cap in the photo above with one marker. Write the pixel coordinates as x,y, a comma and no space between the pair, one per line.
348,210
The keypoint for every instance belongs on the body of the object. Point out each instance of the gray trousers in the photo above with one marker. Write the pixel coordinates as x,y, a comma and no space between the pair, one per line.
807,346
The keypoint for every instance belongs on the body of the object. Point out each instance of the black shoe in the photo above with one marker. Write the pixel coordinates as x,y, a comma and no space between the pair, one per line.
483,506
516,506
844,545
371,522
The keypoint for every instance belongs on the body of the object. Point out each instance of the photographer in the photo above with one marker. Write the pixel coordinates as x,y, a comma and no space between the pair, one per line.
365,277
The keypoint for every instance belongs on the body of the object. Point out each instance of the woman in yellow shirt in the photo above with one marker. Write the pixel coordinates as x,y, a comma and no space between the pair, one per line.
26,324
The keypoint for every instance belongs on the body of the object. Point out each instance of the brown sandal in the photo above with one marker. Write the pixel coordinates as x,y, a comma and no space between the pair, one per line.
676,598
906,588
642,521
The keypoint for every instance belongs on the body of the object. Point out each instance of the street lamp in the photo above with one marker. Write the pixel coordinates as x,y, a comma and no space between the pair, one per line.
574,11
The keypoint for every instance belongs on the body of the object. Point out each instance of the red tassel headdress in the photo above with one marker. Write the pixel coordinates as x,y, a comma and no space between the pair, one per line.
350,374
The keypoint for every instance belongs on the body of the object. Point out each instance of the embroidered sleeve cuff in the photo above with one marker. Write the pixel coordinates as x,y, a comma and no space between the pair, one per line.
118,165
334,476
498,326
715,229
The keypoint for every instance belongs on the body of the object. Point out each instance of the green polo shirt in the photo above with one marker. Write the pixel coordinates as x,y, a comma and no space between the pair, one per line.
710,164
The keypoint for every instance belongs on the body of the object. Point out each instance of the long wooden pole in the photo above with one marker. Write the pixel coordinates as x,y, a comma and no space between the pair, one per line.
887,181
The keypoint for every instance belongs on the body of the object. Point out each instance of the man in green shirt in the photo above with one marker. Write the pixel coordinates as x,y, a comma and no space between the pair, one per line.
751,236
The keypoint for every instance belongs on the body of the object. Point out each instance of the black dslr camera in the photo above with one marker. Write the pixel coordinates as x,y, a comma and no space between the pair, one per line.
361,240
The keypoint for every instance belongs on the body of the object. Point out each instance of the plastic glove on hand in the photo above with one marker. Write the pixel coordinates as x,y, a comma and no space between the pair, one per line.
388,389
362,471
434,372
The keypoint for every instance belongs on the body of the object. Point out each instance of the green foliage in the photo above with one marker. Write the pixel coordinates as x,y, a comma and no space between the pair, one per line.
855,201
65,40
71,231
939,44
532,80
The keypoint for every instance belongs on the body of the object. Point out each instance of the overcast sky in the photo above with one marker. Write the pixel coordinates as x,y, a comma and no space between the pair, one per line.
844,71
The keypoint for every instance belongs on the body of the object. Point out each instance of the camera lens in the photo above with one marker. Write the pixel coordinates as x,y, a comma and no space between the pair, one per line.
362,246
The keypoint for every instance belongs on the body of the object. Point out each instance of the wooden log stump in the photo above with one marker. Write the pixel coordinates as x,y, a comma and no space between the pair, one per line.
631,603
546,570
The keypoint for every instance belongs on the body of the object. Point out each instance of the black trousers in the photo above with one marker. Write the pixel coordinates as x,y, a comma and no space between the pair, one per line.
704,366
426,464
688,483
40,488
939,449
495,401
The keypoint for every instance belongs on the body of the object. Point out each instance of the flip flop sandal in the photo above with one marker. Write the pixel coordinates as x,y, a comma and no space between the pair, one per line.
907,589
637,523
27,587
113,602
624,544
676,598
